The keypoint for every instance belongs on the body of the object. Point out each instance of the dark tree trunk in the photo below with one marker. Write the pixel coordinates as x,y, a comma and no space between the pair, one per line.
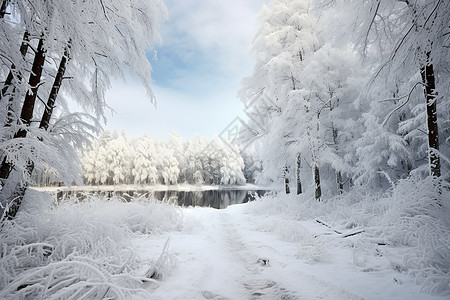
3,8
11,114
16,190
28,105
299,182
45,121
340,185
286,180
317,187
428,78
34,82
5,168
10,77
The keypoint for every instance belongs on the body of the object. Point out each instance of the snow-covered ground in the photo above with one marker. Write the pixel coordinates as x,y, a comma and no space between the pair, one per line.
358,246
237,254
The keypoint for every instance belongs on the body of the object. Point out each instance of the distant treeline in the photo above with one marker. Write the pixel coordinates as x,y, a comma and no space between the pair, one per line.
114,159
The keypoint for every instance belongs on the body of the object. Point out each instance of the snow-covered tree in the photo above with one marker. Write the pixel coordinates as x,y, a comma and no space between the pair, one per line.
113,159
331,81
70,45
287,37
167,164
177,144
194,159
410,40
144,161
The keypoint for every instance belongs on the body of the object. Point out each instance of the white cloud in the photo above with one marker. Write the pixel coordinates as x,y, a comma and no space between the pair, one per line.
205,55
221,30
175,111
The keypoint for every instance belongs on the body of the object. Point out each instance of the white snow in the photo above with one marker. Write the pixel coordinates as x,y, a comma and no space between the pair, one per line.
238,254
393,246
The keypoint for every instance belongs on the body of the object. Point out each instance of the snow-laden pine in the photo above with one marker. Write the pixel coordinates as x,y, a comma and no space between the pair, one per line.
347,98
114,159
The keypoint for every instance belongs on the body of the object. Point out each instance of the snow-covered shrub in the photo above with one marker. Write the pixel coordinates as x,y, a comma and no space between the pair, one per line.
414,215
419,217
163,265
76,250
145,215
75,277
311,249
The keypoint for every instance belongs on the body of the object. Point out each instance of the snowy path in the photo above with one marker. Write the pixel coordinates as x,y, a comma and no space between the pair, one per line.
228,254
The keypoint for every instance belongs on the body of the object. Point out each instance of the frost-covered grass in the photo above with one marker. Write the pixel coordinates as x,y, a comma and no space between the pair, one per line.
79,250
412,218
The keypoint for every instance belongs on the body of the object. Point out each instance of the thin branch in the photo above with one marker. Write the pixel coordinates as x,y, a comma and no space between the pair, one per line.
370,25
402,40
399,98
401,105
3,8
100,54
104,10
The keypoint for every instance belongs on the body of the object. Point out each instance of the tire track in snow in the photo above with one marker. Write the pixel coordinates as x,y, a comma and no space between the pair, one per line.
261,281
224,259
256,284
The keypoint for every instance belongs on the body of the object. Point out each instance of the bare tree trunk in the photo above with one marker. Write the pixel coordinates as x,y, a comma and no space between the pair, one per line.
34,82
317,187
45,121
17,190
286,180
10,77
428,78
3,8
299,182
5,168
8,85
28,105
340,185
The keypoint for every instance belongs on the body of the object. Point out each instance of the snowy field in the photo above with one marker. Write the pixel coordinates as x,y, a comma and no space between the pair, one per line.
394,246
235,254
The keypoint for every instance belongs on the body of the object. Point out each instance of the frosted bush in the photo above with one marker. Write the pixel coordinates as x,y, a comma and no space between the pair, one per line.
420,218
79,250
163,265
74,277
310,249
413,215
291,231
144,214
313,250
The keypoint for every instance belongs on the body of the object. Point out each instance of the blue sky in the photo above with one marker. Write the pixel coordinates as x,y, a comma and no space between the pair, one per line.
203,58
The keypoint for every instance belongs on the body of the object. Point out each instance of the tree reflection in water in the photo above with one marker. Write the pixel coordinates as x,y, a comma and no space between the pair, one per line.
212,198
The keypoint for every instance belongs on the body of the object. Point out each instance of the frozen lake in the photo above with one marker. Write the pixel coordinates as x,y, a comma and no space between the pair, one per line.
218,197
210,198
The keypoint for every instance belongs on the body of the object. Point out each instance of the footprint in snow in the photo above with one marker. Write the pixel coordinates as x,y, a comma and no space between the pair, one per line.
213,296
268,290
